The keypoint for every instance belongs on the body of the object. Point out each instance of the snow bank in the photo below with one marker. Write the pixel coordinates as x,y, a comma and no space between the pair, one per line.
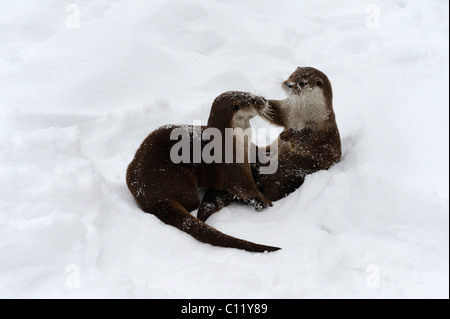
75,103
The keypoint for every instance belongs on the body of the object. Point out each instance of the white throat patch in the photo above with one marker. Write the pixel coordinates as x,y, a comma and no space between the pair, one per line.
309,107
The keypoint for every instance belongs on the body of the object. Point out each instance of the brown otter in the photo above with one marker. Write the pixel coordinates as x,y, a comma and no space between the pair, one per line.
169,190
310,141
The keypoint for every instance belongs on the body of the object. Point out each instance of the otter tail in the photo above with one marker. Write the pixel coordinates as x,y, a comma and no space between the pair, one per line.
172,213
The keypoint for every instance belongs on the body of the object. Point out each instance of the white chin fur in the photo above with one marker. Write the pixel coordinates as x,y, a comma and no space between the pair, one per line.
288,91
308,107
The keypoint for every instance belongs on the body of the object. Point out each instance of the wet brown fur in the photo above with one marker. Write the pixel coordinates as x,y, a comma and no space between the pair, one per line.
310,141
169,191
306,145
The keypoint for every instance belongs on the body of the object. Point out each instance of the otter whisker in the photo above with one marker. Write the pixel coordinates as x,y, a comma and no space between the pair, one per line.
270,112
265,113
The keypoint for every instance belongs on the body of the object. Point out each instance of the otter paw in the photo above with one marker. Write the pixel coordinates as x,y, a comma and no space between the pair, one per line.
258,203
288,135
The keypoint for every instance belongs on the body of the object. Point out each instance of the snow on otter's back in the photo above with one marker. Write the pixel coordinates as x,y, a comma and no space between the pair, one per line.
236,96
76,102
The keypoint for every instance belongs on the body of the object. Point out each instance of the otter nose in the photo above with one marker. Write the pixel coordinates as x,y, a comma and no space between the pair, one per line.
290,84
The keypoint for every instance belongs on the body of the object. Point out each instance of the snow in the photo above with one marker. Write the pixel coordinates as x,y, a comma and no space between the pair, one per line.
76,102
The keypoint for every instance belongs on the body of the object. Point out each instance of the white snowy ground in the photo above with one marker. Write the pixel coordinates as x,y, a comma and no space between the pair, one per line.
75,103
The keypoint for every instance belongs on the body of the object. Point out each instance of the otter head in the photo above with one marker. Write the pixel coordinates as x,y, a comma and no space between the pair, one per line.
237,109
309,98
306,79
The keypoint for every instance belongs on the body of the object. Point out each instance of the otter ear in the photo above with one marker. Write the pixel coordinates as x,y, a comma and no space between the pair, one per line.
235,107
319,83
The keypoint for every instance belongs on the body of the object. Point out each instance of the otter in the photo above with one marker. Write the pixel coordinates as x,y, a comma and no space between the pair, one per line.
309,142
169,190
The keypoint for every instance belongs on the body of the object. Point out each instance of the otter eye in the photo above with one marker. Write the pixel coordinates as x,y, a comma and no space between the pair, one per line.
302,84
319,83
235,107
